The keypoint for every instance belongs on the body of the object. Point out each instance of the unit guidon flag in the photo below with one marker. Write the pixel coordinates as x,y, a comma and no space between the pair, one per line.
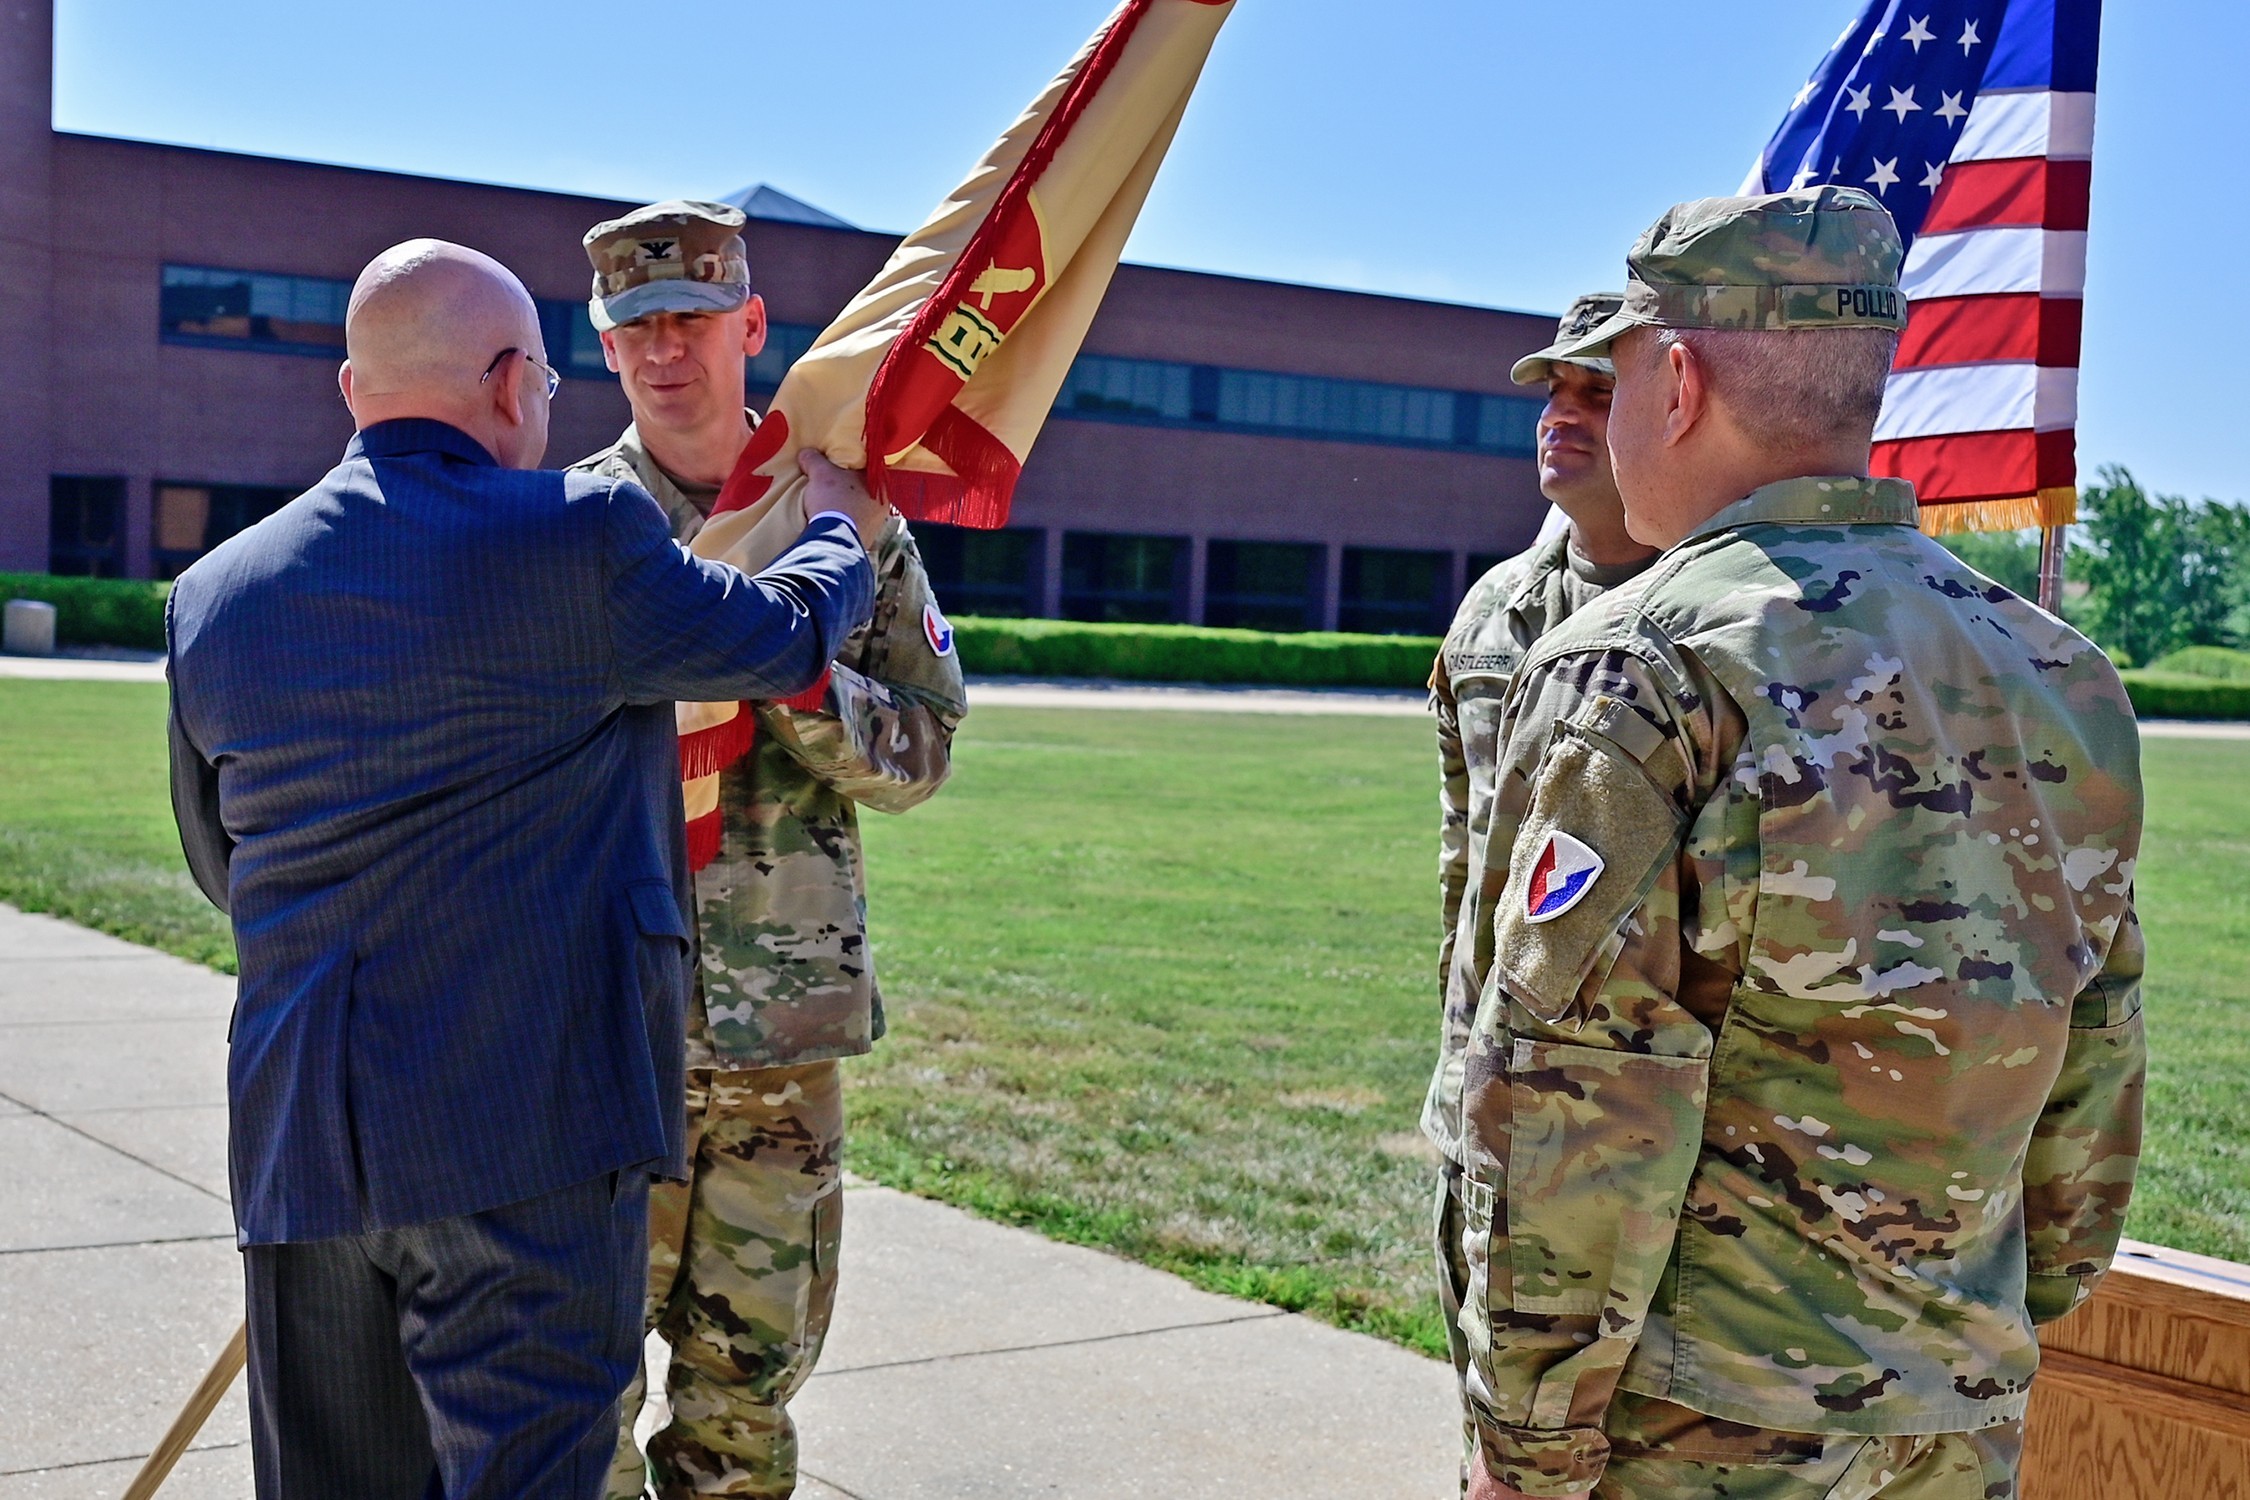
938,375
1973,121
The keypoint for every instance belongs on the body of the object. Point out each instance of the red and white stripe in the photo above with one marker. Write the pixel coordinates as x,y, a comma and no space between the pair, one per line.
1982,407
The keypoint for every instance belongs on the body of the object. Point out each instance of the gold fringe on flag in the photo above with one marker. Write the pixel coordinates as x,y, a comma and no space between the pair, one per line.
2050,507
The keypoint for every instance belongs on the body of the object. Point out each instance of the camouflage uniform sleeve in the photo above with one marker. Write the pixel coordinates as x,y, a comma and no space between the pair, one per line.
2078,1172
1586,1076
883,735
1453,817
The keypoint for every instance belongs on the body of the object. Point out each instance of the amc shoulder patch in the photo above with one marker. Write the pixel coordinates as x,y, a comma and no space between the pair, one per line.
1564,872
938,629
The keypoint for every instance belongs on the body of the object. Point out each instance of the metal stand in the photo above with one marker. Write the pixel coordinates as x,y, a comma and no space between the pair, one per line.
2051,568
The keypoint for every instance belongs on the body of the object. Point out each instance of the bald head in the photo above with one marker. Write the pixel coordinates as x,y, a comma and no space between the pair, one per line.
425,321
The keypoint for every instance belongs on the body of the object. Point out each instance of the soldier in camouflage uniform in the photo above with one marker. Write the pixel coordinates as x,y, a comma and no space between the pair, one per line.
743,1260
1807,1081
1506,611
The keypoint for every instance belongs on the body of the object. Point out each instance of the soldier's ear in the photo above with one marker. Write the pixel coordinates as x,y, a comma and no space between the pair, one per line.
1687,384
754,326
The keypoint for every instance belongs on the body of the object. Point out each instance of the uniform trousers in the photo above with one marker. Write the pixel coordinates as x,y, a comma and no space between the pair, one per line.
478,1357
1453,1285
742,1280
1663,1451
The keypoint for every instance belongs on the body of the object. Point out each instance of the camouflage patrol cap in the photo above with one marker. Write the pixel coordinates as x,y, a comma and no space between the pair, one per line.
1823,257
676,256
1586,314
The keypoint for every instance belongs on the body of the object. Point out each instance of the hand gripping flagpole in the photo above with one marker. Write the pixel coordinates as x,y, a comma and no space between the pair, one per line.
189,1422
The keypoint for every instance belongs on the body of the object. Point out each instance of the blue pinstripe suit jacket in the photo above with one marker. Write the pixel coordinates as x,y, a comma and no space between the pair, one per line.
423,753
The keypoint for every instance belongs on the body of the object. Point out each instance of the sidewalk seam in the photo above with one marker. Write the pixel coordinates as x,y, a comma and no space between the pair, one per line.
33,1109
139,1109
1261,1316
124,1458
117,1021
177,1239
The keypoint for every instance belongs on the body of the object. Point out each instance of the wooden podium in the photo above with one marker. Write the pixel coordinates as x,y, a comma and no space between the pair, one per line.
2144,1393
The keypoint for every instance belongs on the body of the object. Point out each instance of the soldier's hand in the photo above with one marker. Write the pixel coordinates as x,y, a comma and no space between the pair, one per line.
830,488
1482,1486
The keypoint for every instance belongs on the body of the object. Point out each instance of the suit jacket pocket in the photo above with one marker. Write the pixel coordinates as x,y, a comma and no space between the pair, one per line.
657,910
663,945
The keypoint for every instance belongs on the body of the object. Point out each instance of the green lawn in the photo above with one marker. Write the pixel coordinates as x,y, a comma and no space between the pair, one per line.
1163,982
86,820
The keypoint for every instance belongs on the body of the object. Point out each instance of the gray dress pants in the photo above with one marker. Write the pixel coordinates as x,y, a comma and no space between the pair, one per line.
471,1358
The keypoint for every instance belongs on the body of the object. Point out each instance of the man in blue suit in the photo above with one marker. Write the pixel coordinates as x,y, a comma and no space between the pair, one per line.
423,753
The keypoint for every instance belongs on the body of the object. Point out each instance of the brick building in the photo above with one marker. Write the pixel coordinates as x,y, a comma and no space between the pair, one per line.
1226,451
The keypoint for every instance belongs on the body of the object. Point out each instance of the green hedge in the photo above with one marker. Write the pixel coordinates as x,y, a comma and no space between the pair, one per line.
125,612
2176,695
2219,662
1192,653
96,611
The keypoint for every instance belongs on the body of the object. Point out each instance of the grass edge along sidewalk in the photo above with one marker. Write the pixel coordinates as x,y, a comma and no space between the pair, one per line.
1163,984
2201,683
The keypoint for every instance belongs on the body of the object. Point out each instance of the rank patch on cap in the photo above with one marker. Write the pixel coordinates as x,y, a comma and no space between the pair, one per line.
938,629
1560,878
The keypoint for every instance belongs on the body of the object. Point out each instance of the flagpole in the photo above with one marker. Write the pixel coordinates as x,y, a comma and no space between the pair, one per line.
2051,568
189,1422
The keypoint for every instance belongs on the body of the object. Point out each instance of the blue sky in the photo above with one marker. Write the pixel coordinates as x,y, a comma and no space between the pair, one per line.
1492,151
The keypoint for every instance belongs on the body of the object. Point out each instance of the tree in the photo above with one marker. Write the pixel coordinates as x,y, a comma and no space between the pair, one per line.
2008,558
2216,605
2161,573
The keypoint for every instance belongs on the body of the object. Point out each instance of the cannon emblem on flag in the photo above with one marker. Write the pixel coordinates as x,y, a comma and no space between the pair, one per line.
939,375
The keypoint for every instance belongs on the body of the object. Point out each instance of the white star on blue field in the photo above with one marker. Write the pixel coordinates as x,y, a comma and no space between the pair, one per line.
1869,60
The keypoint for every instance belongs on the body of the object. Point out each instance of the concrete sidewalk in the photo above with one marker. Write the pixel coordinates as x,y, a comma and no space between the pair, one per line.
87,664
967,1359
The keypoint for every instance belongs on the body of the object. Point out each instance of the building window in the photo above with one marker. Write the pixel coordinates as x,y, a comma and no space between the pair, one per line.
1389,592
1104,388
1100,386
86,525
981,572
1126,578
213,308
786,343
191,519
1508,424
1263,585
573,346
284,314
1338,408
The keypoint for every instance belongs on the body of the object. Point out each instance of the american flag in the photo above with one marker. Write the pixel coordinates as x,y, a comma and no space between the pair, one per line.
1973,121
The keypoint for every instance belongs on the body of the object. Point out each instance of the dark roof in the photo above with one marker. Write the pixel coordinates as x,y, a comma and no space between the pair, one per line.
761,201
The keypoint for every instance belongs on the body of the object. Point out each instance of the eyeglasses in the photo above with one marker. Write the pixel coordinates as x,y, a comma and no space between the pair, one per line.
554,381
